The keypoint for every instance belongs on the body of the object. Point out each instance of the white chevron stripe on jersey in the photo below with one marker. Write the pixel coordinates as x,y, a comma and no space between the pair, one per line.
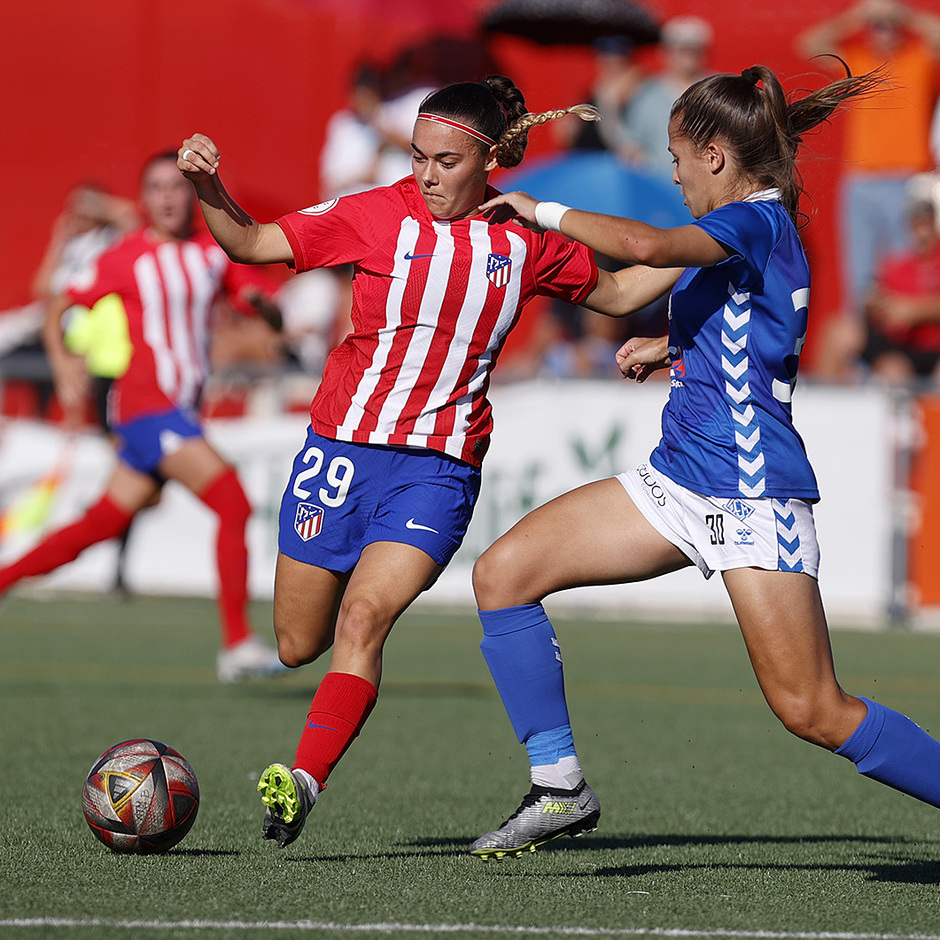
735,364
407,238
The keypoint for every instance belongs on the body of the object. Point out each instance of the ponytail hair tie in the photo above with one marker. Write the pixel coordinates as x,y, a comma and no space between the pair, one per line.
750,76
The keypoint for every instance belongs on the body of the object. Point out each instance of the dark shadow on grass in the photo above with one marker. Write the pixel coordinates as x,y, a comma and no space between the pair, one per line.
203,853
618,843
381,856
905,870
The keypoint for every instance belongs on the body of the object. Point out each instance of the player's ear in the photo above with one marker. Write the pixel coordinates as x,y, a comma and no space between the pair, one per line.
491,162
716,156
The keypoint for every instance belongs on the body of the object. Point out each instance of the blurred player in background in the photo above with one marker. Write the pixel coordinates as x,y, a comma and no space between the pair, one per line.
382,491
729,488
167,279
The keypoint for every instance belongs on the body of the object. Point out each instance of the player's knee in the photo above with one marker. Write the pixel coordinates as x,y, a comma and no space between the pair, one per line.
496,578
808,719
295,649
363,625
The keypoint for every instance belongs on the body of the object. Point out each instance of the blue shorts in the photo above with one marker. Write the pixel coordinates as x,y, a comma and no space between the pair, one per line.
341,497
144,442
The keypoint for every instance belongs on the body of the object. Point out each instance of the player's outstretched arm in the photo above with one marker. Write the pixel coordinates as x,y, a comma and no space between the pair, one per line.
623,292
623,239
240,236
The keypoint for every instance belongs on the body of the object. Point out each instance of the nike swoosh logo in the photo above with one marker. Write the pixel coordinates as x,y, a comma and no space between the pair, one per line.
410,257
411,524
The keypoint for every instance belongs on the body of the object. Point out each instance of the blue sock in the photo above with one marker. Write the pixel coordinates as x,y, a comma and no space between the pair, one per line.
549,747
520,648
888,747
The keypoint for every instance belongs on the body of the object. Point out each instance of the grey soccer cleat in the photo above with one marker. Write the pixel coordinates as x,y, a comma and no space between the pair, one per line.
545,814
288,800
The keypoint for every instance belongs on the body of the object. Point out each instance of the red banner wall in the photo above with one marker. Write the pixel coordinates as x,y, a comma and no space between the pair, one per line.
91,89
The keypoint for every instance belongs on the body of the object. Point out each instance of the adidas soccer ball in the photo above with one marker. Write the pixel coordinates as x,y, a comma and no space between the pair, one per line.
140,796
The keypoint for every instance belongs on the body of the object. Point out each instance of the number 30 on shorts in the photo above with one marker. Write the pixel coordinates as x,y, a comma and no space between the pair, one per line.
339,477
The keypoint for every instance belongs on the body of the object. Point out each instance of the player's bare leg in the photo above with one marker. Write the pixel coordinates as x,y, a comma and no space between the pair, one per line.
784,628
607,540
315,608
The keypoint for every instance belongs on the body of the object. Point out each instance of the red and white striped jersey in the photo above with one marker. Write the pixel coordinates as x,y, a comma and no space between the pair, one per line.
168,289
433,302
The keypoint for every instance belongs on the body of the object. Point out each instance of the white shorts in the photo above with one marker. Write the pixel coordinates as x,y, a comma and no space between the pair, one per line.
718,533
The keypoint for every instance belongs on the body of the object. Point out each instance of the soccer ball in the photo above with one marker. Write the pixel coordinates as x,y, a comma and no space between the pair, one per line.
140,796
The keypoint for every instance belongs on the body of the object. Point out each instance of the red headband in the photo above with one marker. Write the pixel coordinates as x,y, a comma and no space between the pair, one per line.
425,116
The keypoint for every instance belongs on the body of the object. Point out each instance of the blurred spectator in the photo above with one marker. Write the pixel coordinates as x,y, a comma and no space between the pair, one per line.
316,306
408,82
900,337
91,220
885,141
643,136
349,161
616,79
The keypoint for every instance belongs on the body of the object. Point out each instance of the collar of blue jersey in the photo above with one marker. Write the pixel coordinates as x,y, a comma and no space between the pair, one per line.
763,195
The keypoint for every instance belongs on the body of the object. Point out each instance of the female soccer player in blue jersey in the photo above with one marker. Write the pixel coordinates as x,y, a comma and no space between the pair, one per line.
729,488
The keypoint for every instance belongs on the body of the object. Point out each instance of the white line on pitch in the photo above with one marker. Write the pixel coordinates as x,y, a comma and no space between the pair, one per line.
497,929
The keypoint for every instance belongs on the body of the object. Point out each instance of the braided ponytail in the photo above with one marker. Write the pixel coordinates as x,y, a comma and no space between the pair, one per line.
511,146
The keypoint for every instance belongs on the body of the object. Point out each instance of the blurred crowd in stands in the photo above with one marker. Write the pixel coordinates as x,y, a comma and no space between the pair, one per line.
889,206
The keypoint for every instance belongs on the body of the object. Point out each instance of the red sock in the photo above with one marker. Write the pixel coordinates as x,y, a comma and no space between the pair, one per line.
226,498
340,707
105,520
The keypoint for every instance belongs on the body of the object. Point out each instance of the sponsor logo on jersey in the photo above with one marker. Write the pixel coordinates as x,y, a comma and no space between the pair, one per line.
656,492
319,208
744,537
411,524
410,257
677,369
498,269
308,520
738,508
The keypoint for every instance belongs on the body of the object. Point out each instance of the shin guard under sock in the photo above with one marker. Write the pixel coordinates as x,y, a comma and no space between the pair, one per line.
340,707
524,658
226,498
890,748
104,520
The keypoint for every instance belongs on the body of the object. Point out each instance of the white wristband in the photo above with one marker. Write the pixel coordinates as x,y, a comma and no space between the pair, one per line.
548,215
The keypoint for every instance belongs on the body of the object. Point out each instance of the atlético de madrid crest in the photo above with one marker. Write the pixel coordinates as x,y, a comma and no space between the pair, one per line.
498,269
308,520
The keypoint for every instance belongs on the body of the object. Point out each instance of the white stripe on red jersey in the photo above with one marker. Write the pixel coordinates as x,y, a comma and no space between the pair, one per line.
168,289
433,302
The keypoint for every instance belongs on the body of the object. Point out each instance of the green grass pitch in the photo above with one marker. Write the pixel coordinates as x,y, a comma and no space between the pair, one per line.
716,823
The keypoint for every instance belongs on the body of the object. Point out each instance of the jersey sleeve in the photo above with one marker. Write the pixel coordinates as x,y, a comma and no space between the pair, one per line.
747,232
331,233
564,269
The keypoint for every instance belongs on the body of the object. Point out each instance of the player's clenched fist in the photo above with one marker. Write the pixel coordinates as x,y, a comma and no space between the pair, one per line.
198,154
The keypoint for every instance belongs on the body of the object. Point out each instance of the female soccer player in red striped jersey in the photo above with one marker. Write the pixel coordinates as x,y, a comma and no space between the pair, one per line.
382,491
167,278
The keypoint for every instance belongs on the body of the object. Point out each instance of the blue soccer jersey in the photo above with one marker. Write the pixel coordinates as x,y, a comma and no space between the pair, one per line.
735,335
